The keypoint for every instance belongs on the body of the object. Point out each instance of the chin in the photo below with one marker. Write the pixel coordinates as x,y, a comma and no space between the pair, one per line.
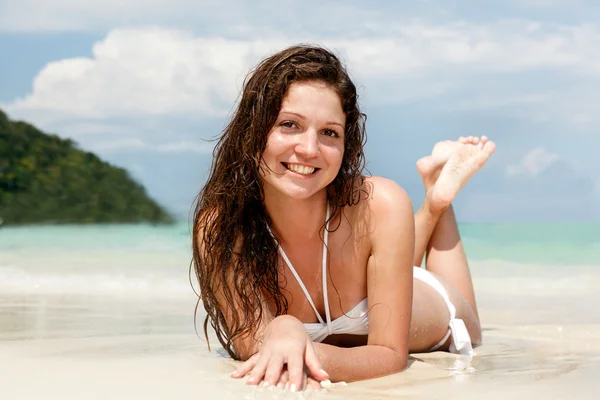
299,193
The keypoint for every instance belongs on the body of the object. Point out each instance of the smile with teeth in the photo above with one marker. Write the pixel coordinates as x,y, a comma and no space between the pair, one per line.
300,169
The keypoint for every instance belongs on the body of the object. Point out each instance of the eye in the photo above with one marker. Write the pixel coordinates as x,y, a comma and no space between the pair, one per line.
288,124
330,132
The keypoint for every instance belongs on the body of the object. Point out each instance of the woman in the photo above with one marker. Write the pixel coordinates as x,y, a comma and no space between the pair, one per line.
305,266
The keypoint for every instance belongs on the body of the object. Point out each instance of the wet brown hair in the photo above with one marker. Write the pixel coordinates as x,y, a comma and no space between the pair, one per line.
234,255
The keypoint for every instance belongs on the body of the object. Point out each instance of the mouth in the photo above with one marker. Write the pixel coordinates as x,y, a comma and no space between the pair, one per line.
300,169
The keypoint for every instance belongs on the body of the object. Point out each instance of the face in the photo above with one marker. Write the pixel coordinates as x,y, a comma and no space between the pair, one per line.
305,146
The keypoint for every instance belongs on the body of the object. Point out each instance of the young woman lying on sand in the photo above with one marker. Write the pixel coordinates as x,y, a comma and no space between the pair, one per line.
305,265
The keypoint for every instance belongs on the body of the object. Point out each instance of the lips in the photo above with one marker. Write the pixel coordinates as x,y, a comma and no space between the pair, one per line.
301,169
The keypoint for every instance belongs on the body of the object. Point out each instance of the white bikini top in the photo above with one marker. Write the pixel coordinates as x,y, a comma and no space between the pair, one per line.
354,322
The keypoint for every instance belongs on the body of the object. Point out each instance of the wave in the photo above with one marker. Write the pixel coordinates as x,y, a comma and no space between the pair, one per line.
17,281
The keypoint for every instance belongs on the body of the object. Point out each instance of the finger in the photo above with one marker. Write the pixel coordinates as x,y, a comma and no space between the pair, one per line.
283,379
273,371
304,381
295,365
257,373
313,364
246,367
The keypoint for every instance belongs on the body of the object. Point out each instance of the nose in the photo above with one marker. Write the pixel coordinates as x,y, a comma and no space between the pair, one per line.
308,144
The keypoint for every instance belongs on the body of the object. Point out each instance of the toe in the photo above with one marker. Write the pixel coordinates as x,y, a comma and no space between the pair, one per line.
489,147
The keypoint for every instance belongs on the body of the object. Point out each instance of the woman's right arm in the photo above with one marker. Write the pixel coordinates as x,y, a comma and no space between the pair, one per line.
286,348
273,345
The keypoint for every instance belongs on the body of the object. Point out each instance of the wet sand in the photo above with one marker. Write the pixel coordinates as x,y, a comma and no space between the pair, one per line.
58,347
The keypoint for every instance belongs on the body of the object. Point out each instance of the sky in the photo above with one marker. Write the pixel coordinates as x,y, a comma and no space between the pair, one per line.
146,85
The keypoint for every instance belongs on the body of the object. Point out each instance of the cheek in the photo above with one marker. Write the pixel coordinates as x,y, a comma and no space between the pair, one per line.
338,155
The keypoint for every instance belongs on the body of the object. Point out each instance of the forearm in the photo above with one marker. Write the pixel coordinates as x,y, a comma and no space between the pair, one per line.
425,222
358,363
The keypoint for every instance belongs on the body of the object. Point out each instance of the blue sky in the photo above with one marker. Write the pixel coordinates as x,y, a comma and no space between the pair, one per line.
142,83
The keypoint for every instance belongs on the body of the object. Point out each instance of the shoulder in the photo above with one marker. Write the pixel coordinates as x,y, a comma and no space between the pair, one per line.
384,195
388,210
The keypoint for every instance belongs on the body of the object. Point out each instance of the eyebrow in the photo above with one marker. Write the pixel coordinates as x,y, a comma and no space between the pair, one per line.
304,118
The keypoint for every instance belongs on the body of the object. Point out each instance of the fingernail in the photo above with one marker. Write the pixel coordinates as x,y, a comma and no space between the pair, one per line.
251,380
293,387
280,385
266,384
287,386
324,372
235,374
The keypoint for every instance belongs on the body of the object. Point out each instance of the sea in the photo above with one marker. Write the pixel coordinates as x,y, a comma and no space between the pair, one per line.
132,279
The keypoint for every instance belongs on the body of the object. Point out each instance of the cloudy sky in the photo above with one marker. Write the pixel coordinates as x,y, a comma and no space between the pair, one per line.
145,84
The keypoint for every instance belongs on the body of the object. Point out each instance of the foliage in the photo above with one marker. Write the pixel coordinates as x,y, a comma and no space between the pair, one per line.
46,179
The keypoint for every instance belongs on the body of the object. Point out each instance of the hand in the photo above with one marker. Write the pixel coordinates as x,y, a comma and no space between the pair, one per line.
285,343
309,381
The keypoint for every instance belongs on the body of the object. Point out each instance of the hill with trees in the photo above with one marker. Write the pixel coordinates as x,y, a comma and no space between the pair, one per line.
48,180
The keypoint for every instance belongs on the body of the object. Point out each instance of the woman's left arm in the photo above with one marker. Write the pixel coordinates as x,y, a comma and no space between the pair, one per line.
389,288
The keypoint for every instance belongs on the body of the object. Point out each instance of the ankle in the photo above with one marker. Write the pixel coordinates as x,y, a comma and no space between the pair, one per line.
434,210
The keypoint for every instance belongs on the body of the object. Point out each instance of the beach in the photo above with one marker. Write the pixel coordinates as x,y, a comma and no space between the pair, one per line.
108,313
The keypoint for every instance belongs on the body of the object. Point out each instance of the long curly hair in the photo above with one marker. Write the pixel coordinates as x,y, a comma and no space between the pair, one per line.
234,255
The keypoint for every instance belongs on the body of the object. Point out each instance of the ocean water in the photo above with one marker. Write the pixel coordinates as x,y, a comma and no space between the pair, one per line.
146,260
131,279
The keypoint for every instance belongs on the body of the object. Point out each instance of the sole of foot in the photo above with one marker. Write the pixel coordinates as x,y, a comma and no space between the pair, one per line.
462,164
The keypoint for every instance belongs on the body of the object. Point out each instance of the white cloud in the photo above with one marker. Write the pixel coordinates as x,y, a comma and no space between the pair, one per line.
159,71
143,71
533,163
165,74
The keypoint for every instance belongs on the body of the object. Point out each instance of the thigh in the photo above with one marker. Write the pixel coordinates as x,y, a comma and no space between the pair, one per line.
463,310
431,316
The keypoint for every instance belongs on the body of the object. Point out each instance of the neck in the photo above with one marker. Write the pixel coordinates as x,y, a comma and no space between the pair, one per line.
296,220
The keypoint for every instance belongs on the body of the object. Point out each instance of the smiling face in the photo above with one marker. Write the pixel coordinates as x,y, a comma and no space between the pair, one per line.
305,146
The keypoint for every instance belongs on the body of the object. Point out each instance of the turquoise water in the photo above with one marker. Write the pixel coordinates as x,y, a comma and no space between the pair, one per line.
541,243
545,243
146,260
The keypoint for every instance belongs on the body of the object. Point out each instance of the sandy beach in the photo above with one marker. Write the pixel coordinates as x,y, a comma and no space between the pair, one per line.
107,313
61,347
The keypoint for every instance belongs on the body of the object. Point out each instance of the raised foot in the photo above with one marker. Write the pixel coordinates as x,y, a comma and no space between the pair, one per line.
462,164
429,167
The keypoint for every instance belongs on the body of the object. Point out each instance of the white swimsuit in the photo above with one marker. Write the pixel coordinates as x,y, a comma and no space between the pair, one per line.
356,321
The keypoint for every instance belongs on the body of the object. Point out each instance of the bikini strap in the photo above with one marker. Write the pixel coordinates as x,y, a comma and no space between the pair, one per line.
324,269
291,267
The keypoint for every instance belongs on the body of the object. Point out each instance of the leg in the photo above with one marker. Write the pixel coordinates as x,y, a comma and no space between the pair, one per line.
430,168
446,257
447,261
444,174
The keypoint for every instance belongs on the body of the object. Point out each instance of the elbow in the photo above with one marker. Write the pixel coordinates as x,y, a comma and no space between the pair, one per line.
399,363
402,363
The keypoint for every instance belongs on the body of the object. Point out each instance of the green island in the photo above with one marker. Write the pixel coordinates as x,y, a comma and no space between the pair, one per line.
48,180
